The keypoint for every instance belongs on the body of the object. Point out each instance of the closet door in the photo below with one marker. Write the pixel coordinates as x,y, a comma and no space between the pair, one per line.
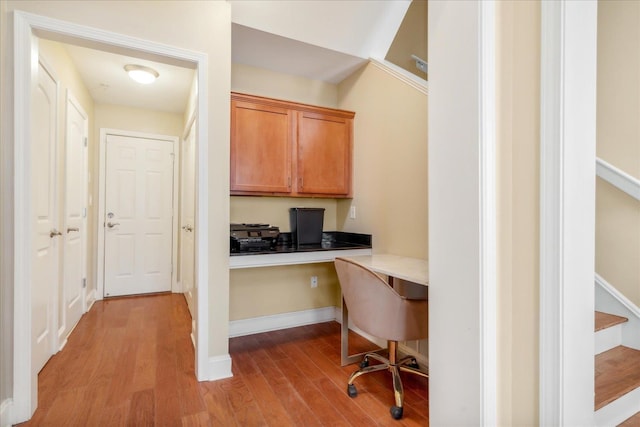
46,236
72,292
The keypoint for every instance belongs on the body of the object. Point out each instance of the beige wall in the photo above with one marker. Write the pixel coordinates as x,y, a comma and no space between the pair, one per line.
411,39
137,120
267,291
390,179
518,206
197,26
618,142
390,162
262,82
275,290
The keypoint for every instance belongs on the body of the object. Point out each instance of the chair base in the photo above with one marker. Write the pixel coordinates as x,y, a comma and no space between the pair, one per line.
406,364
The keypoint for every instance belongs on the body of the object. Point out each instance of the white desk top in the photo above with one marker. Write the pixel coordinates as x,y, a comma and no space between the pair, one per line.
293,258
411,269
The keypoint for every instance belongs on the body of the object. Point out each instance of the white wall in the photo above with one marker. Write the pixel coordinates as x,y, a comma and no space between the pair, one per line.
454,223
6,233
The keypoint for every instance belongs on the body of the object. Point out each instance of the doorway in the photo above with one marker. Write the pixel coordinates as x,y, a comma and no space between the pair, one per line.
25,379
137,212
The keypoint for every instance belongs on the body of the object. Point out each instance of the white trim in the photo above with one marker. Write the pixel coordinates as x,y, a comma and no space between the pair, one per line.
295,258
6,413
462,211
401,74
91,299
256,325
219,367
24,24
201,277
100,231
619,410
567,212
488,214
623,300
618,178
25,383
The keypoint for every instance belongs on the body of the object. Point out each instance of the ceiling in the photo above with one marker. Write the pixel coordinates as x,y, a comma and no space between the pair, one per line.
317,39
104,76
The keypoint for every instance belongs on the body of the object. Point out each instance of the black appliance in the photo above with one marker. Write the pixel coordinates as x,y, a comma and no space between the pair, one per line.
306,225
253,237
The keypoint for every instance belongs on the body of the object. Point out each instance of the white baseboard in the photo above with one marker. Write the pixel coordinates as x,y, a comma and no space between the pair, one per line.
5,413
619,410
91,299
256,325
219,368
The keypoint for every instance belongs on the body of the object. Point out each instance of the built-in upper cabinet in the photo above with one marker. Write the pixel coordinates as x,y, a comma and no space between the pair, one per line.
283,148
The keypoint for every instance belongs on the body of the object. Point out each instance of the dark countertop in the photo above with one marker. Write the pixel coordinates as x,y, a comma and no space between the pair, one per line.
331,241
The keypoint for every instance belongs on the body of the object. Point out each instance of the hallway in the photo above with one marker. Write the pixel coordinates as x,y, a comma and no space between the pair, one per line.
130,362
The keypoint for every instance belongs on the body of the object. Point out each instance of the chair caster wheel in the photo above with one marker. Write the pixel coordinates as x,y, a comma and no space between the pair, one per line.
396,412
413,364
352,392
364,363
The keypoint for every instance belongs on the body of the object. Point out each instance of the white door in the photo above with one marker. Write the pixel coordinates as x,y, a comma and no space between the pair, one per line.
138,215
187,215
46,237
71,300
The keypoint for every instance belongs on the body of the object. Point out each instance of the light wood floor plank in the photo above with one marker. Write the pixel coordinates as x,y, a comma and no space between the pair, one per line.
130,361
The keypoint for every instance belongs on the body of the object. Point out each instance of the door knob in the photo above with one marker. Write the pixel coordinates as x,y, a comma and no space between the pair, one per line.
54,233
112,224
187,227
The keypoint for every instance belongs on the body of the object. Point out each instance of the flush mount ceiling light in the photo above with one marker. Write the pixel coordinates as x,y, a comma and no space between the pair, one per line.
141,74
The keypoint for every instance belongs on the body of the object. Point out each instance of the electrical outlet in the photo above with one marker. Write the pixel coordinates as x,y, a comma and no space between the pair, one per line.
352,212
314,281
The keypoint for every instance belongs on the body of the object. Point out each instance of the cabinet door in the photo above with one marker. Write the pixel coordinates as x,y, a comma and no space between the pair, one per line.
261,137
324,154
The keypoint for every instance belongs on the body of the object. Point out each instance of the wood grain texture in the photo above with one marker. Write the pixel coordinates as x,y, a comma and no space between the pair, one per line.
634,421
606,320
130,362
617,373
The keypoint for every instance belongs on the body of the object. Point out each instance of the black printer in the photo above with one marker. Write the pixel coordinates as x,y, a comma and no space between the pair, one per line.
253,237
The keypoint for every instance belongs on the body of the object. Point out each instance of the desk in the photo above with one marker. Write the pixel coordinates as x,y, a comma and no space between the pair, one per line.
395,267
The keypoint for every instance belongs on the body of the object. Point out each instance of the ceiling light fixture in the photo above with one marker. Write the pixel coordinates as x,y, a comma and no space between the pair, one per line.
141,74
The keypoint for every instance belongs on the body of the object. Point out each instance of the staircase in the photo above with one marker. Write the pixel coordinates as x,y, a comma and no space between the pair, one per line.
617,372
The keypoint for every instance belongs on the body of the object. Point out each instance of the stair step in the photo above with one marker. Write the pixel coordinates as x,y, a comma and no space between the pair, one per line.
634,421
606,320
617,373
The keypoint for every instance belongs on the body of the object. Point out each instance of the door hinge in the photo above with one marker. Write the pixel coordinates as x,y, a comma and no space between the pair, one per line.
86,141
84,212
84,282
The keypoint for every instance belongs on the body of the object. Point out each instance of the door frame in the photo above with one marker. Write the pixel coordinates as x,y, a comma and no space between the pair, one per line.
71,100
567,211
102,182
25,27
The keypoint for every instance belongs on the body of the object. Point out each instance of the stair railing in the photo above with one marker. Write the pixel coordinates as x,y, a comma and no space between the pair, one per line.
618,178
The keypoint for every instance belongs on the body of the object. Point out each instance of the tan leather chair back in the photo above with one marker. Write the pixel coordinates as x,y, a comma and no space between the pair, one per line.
376,308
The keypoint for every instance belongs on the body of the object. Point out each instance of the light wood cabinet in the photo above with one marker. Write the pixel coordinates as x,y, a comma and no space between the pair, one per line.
289,149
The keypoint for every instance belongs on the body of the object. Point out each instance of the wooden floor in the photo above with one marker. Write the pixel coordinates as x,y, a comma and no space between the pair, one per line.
617,373
130,362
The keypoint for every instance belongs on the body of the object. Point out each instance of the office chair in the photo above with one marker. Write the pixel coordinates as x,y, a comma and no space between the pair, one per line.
377,309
